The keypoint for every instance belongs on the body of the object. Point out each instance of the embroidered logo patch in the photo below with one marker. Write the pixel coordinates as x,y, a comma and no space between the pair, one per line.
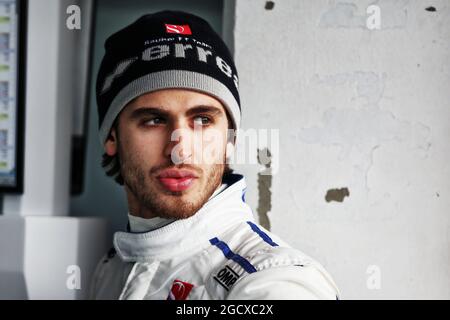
226,277
180,29
180,290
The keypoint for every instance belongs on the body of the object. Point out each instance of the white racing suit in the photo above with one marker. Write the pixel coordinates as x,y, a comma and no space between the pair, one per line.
218,253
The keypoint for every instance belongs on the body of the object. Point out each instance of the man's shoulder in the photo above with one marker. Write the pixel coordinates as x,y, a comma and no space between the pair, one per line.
110,260
109,276
262,247
255,256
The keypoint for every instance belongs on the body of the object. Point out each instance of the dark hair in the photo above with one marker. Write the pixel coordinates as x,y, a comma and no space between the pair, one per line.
111,164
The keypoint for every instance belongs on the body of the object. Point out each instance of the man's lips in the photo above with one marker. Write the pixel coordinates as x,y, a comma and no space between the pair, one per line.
177,173
176,180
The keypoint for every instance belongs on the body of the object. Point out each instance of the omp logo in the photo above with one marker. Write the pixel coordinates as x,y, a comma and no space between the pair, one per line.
226,277
173,28
180,290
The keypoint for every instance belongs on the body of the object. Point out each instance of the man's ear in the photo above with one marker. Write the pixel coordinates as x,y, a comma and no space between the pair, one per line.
111,143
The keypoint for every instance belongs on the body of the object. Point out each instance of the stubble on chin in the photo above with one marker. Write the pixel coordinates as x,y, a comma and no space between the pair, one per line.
151,197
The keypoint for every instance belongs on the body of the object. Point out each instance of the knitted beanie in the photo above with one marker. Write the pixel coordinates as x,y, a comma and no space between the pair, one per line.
167,49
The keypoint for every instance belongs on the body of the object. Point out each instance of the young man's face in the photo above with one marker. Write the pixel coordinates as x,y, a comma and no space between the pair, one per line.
171,145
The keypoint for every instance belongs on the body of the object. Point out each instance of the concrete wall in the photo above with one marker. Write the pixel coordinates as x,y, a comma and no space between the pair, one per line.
365,112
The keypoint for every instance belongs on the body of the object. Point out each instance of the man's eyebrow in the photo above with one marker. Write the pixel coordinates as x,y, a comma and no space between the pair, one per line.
147,111
156,111
204,109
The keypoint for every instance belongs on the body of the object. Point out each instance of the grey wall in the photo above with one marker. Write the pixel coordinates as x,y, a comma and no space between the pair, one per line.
366,110
102,196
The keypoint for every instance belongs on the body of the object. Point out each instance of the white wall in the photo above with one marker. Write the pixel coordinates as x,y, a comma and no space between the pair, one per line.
53,86
364,109
37,245
60,255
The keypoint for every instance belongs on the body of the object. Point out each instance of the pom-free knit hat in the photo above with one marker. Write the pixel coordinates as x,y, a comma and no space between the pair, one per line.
167,49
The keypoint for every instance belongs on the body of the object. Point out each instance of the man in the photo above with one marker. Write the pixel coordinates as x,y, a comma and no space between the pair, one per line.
167,94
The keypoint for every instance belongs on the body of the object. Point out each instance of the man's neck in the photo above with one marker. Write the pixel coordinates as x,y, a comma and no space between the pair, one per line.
139,224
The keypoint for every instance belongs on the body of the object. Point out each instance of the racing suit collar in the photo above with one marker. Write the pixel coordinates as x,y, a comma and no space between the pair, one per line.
185,236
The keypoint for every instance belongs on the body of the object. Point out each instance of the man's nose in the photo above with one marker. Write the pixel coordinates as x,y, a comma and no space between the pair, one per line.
179,147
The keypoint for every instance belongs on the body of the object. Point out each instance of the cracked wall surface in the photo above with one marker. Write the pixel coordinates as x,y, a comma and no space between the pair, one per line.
359,111
264,188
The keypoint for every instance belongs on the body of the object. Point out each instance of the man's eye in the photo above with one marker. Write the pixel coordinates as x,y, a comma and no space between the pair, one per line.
154,121
202,120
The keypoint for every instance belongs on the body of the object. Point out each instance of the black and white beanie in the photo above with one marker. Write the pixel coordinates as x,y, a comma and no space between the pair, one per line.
167,49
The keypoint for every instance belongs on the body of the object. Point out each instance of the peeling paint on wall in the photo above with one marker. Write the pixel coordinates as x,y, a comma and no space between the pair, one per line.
337,195
342,16
264,188
350,16
359,132
368,85
269,5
